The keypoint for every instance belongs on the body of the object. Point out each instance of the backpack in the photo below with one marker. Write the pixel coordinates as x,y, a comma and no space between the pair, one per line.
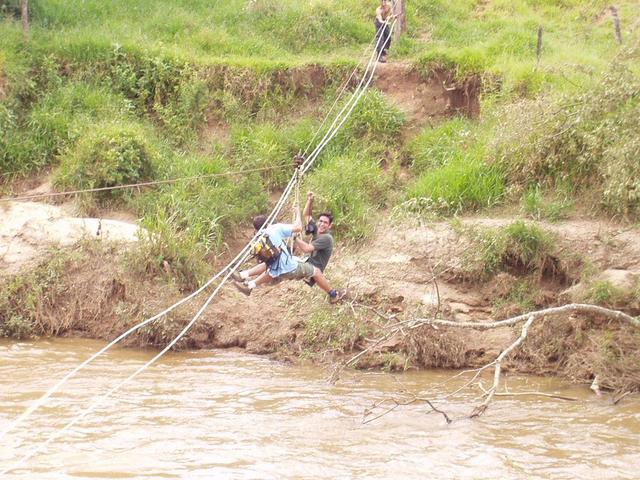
264,250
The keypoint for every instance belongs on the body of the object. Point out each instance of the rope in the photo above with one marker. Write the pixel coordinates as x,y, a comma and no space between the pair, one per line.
240,258
350,105
295,207
342,90
134,185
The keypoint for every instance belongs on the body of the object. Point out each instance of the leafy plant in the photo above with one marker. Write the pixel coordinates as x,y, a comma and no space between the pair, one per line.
110,155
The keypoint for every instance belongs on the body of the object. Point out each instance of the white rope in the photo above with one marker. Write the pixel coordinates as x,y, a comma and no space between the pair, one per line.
350,105
342,90
71,374
230,268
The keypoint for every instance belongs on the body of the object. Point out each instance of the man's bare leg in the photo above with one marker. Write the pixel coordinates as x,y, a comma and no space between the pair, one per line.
247,287
334,295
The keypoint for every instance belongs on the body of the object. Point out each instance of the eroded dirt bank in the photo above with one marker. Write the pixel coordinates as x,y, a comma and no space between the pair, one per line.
405,271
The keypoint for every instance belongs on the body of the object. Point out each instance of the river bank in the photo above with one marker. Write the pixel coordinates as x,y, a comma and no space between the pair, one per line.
90,289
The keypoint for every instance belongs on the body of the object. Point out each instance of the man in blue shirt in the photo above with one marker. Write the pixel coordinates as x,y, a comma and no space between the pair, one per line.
285,266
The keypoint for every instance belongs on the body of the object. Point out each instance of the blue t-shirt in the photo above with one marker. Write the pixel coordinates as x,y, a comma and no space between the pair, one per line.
285,262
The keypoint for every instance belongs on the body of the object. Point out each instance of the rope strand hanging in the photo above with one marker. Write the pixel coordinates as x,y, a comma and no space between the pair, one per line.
240,258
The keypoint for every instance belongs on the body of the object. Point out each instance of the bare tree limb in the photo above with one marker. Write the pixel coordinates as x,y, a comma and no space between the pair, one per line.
565,309
528,394
398,403
479,410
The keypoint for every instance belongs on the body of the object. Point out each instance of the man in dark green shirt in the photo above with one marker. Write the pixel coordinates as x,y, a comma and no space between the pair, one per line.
321,246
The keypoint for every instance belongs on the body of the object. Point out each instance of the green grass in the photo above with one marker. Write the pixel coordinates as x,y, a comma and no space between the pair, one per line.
158,76
519,248
24,297
461,185
552,207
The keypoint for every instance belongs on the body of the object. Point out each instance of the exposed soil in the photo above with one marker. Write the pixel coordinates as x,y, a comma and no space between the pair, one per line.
425,100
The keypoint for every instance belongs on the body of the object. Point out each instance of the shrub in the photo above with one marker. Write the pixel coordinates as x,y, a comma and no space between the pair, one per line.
166,250
109,155
24,297
463,184
333,329
603,292
441,145
375,118
268,146
538,207
588,140
205,208
165,89
518,248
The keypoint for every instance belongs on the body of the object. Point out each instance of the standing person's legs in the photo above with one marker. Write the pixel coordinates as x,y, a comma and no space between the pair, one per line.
386,40
379,33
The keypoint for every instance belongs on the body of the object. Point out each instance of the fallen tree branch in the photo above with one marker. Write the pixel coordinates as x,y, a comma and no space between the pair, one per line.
479,410
570,308
528,318
528,394
398,403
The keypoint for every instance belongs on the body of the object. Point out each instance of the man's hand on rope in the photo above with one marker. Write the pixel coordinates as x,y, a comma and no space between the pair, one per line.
298,160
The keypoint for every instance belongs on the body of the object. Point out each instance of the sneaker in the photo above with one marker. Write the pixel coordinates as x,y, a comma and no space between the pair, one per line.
236,277
242,288
340,294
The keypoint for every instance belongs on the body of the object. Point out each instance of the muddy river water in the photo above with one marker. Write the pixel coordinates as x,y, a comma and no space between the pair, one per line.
229,415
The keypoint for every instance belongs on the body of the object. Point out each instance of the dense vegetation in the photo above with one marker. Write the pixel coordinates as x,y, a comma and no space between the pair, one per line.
106,93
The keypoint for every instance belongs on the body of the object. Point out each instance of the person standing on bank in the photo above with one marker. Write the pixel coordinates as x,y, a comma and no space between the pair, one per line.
383,30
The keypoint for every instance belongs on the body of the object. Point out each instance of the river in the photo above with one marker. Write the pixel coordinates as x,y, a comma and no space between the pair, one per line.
228,415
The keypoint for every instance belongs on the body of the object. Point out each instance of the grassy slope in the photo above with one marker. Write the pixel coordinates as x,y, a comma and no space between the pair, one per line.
148,74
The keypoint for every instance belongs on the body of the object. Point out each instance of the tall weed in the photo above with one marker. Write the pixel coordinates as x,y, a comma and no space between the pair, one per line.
353,187
460,185
586,140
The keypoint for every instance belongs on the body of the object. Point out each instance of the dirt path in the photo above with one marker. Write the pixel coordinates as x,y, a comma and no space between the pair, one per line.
29,229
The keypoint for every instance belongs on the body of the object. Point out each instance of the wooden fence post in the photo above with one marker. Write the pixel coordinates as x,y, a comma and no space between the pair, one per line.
24,14
399,9
539,46
616,23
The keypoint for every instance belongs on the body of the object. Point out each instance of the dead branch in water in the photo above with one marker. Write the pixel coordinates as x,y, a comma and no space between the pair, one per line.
528,319
398,403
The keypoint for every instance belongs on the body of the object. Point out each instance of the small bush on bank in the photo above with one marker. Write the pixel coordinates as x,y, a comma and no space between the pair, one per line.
540,207
375,118
25,297
109,155
332,330
441,145
165,249
270,147
518,248
588,140
205,208
167,90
